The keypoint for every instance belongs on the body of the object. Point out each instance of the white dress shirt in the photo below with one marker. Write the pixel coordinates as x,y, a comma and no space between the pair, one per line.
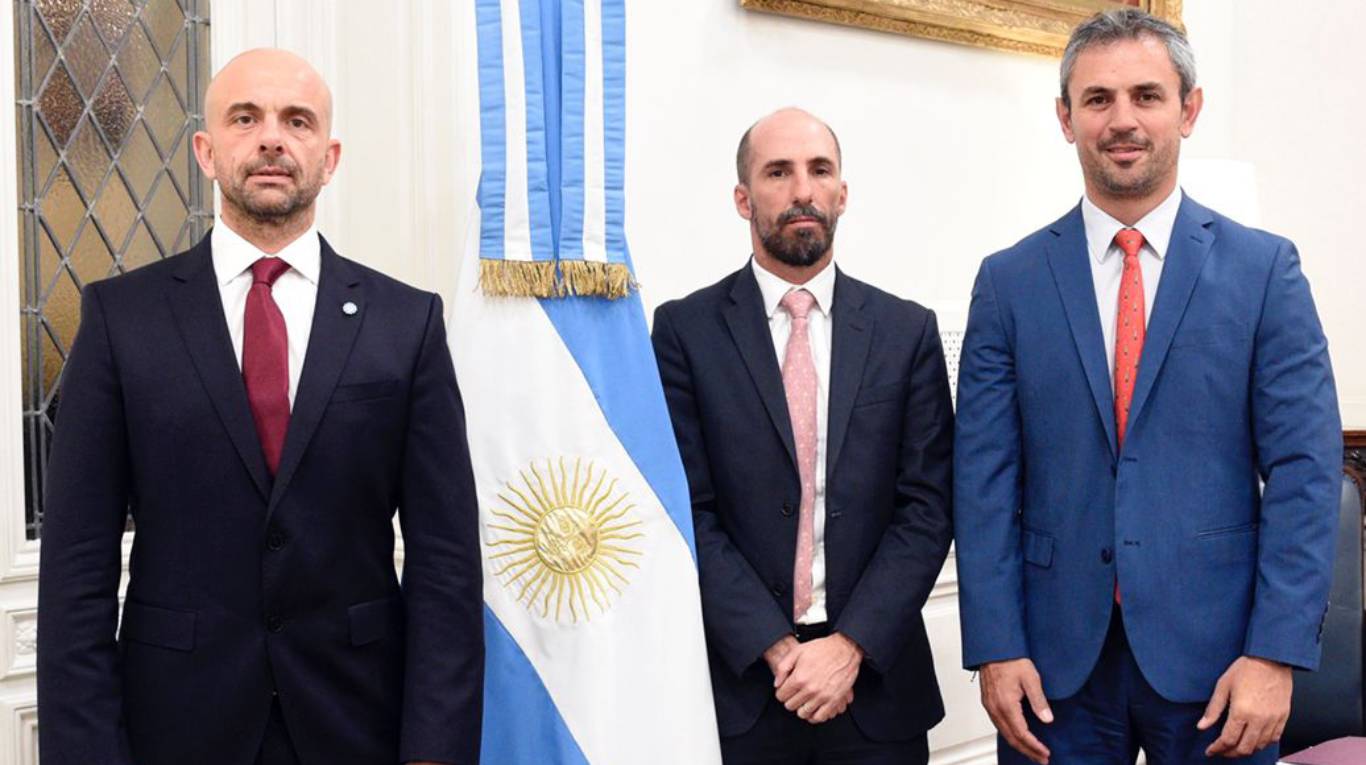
821,287
295,292
1107,260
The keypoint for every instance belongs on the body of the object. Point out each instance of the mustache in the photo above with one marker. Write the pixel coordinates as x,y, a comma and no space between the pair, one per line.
278,163
1126,139
802,211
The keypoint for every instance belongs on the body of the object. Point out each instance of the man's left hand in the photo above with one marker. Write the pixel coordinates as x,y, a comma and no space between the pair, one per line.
1257,695
818,677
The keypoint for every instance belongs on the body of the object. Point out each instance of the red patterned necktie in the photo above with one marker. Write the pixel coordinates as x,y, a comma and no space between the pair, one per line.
799,382
265,360
1130,327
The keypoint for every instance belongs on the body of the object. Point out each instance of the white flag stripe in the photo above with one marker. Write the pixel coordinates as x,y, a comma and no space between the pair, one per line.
594,151
516,207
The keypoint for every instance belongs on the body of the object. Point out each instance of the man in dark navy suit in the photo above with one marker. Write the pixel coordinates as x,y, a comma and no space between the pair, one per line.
814,418
261,406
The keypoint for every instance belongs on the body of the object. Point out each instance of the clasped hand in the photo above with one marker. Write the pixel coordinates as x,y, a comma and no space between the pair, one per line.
815,679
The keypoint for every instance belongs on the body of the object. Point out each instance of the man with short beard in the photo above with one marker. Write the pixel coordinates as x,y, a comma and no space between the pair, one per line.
813,415
1129,374
260,406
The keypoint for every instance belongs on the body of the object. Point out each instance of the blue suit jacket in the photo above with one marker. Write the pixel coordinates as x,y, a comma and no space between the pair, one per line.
1234,386
242,585
888,485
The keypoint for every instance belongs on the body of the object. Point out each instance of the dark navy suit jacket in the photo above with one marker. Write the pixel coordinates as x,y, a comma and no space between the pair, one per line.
1234,387
240,585
888,463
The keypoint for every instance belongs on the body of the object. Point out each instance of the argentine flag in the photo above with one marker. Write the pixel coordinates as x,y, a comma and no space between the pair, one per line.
593,620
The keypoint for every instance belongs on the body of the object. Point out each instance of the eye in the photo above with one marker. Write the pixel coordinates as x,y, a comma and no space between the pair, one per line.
298,122
1097,100
777,172
243,119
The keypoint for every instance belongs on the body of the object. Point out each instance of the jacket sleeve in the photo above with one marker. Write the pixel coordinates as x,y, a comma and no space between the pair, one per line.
442,569
742,618
1298,436
987,478
80,695
885,603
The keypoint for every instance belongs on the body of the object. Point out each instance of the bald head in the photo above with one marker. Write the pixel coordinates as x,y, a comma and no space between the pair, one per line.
272,71
787,121
267,141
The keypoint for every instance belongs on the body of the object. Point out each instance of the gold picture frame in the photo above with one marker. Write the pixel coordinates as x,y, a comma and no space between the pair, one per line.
1039,27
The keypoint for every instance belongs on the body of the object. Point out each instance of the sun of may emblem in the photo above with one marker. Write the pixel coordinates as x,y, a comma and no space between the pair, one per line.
564,538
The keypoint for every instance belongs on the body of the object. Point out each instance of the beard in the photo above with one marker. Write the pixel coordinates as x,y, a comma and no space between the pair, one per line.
271,204
802,247
1117,183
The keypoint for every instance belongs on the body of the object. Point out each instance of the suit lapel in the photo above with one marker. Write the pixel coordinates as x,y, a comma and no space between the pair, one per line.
329,345
850,336
1190,244
198,308
749,328
1067,258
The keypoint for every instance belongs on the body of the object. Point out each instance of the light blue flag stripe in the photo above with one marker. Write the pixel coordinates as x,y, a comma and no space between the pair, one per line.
492,128
521,724
614,126
572,126
611,344
538,126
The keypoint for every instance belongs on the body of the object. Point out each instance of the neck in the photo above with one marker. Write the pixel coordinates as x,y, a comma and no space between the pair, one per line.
1129,210
269,235
789,273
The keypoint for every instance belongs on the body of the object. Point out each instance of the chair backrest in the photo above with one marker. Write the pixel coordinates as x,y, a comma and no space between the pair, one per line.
1328,704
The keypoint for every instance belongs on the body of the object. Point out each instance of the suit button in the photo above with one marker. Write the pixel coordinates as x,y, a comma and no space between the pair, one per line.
787,509
275,540
779,590
1106,555
275,623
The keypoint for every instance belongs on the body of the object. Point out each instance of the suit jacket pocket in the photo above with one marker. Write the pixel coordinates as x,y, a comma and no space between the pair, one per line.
365,391
1229,545
880,394
153,625
1038,548
375,619
1225,333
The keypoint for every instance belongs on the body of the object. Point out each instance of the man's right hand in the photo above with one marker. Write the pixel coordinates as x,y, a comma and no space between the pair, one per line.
775,654
1005,686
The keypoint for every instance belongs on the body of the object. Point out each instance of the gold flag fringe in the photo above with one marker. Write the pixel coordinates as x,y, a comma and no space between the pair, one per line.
543,278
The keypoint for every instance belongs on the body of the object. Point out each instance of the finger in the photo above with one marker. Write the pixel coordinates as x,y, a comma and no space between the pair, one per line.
1025,741
1215,708
1033,688
1228,739
798,698
1250,741
792,686
785,667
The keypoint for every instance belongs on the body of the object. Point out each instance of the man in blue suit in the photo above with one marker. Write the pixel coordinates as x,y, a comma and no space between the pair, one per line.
260,406
1148,447
814,418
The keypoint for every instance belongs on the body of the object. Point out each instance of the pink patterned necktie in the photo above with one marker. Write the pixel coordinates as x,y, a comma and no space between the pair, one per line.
1130,328
799,381
265,360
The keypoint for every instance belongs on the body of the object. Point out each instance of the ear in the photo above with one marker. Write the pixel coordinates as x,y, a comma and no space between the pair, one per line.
1190,111
742,204
203,153
330,159
844,198
1065,120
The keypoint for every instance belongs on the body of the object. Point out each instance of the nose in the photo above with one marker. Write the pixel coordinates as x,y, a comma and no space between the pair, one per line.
802,189
271,136
1123,117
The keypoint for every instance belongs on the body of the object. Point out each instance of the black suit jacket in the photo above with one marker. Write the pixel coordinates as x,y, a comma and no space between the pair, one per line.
240,585
888,490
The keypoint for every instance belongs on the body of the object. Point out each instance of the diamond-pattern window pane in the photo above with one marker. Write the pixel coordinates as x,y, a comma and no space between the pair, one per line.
102,191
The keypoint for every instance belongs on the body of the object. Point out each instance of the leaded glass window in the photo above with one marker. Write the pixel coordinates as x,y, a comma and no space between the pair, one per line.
109,94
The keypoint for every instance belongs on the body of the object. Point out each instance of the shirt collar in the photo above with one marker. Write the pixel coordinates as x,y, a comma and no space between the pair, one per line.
232,254
773,288
1156,227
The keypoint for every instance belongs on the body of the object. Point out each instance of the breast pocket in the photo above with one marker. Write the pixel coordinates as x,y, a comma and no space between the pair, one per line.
366,391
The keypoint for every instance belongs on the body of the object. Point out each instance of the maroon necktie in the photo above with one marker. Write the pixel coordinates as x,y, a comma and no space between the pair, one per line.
265,360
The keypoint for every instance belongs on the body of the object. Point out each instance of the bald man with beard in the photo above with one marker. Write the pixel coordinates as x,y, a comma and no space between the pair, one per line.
261,407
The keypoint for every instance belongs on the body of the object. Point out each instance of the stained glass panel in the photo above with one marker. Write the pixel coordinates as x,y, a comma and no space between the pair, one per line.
96,190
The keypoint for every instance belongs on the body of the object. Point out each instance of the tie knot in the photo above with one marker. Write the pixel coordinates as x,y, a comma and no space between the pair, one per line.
267,270
1130,240
798,303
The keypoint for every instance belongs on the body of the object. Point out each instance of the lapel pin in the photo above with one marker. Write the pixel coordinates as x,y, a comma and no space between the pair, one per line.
349,308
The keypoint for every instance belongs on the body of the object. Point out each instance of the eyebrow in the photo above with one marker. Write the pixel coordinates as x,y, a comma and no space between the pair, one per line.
288,111
1099,89
819,160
